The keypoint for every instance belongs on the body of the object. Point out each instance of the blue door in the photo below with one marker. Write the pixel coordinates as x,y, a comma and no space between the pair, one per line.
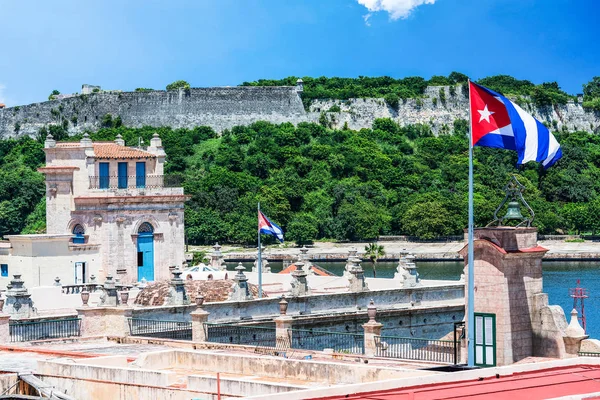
103,172
145,252
140,174
122,175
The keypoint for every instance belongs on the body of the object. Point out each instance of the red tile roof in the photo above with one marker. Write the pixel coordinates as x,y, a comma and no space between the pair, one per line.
316,269
113,150
110,150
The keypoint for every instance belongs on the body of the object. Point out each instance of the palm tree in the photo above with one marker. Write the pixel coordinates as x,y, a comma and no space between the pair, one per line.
374,251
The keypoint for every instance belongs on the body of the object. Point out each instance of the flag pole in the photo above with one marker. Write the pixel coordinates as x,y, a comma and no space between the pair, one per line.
259,261
470,266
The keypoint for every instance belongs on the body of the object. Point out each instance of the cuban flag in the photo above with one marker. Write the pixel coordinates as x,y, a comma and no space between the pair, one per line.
269,228
498,122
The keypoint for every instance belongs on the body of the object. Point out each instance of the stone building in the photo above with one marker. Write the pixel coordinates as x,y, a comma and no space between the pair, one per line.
109,211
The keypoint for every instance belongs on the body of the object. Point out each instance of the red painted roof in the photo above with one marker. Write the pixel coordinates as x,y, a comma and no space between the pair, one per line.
317,270
541,384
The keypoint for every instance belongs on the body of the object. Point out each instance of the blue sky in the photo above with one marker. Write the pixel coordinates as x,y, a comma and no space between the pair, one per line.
124,44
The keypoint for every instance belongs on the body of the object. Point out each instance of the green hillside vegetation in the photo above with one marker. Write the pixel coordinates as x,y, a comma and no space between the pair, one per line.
321,183
395,90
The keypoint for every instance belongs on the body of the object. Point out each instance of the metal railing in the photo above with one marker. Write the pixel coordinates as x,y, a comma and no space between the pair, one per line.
76,289
443,351
134,182
180,330
340,342
251,335
25,331
588,354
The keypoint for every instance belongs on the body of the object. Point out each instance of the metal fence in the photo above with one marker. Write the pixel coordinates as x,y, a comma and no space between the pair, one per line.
588,354
25,331
135,182
444,351
251,335
340,342
180,330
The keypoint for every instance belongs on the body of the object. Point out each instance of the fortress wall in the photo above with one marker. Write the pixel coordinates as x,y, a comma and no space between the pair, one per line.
224,107
220,108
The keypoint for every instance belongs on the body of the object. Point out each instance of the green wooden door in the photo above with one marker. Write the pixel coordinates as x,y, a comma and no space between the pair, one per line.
485,340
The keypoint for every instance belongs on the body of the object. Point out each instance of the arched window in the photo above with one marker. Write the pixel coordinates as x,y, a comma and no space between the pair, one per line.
78,232
145,228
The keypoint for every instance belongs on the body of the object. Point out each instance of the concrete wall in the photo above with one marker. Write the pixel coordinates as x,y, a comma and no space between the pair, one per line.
273,367
41,258
225,107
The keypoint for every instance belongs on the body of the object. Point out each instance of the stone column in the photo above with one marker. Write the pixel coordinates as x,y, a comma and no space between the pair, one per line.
349,262
283,324
177,293
299,281
371,329
357,276
265,263
104,321
574,335
216,258
199,317
241,291
406,272
110,297
18,300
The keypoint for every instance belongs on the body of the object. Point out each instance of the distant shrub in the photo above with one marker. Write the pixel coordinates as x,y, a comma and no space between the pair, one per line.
53,93
434,101
95,90
140,89
452,90
443,95
334,108
178,84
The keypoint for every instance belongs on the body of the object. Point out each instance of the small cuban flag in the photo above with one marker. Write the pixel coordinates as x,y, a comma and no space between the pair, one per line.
269,228
498,122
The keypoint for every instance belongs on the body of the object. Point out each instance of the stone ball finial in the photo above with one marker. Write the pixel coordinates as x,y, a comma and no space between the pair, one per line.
49,136
155,135
574,329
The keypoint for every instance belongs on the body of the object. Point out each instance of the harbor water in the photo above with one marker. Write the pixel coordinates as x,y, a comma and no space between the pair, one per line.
559,277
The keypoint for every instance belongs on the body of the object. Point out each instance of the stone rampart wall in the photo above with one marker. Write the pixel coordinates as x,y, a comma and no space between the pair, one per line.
224,107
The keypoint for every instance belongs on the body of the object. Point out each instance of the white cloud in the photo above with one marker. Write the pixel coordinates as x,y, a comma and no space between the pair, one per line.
396,8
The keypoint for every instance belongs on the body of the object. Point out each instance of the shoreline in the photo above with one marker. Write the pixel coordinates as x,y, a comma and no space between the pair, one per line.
426,252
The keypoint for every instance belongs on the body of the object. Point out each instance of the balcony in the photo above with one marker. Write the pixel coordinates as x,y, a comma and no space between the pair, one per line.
134,182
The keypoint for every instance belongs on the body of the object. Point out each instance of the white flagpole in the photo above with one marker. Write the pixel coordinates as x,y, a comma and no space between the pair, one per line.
471,285
259,261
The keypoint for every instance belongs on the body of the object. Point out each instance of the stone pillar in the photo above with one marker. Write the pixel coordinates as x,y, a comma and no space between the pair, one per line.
508,276
357,276
18,300
4,329
574,335
216,258
299,281
177,293
406,272
104,321
371,329
199,317
349,263
283,324
241,291
119,140
110,297
265,263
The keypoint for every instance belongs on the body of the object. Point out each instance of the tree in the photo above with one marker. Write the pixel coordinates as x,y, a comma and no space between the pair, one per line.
373,251
54,93
178,84
302,228
592,88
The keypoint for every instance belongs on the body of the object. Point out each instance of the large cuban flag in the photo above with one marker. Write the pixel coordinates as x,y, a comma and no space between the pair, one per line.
498,122
269,228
